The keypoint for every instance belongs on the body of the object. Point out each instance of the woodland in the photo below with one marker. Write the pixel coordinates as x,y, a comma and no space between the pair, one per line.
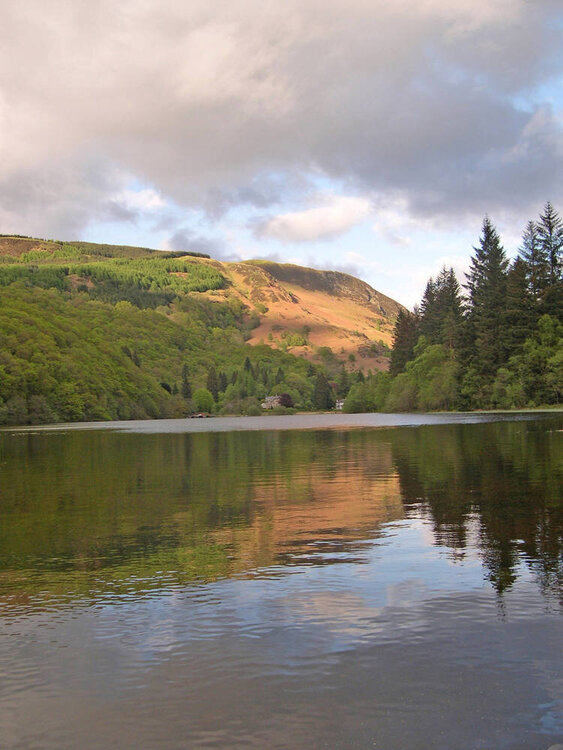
495,342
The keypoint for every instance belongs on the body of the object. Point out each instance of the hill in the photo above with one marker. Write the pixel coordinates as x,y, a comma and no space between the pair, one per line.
91,331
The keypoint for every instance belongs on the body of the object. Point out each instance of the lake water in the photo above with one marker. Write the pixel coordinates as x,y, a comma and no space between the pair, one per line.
360,581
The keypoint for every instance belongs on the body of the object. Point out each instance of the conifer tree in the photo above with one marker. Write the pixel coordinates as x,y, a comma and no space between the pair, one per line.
532,252
550,232
323,397
441,310
519,316
486,284
405,336
213,383
186,388
342,384
450,310
428,326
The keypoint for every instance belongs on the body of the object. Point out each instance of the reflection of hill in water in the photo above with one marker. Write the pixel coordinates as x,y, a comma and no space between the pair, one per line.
316,519
91,513
86,512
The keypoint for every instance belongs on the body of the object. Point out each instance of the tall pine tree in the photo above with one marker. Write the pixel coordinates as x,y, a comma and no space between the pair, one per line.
405,336
441,310
533,253
486,286
550,232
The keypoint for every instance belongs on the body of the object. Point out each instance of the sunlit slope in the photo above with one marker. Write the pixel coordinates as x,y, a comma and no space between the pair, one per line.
307,311
324,316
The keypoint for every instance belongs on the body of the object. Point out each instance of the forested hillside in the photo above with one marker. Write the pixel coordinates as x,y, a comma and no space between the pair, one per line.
94,332
495,342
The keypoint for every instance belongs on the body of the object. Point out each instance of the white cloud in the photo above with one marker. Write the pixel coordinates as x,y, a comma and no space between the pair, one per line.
143,200
337,214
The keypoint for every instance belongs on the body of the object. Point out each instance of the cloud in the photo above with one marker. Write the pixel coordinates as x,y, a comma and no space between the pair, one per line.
334,217
217,105
186,239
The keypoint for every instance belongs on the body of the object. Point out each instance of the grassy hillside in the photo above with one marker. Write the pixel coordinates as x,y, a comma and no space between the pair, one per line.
90,332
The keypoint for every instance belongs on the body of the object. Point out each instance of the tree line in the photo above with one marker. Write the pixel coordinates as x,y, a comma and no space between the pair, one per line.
495,342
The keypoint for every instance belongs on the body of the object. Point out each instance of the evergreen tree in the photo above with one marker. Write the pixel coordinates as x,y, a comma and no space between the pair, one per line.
532,252
486,285
342,384
429,325
451,309
550,233
213,383
405,336
222,382
247,366
186,388
441,310
323,397
519,316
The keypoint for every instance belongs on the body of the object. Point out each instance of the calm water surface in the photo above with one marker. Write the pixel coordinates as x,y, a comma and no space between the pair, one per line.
183,585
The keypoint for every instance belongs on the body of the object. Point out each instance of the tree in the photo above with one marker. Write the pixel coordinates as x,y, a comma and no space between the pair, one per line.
405,336
342,383
285,400
486,285
519,315
532,252
428,325
441,310
204,400
186,388
213,383
323,397
550,233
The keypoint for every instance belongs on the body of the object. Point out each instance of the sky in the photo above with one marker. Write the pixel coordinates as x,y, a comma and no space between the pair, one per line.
370,136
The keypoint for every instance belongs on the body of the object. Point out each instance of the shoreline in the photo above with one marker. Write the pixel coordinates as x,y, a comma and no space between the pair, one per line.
300,421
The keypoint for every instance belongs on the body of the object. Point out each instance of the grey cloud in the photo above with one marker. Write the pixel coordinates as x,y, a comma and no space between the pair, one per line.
218,105
59,200
114,210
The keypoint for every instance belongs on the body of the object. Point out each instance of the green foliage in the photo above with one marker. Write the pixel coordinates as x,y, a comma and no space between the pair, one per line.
293,338
92,332
203,400
536,375
504,350
370,395
405,336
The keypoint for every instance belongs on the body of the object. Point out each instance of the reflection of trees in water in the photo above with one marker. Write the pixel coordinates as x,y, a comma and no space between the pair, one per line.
213,504
501,482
